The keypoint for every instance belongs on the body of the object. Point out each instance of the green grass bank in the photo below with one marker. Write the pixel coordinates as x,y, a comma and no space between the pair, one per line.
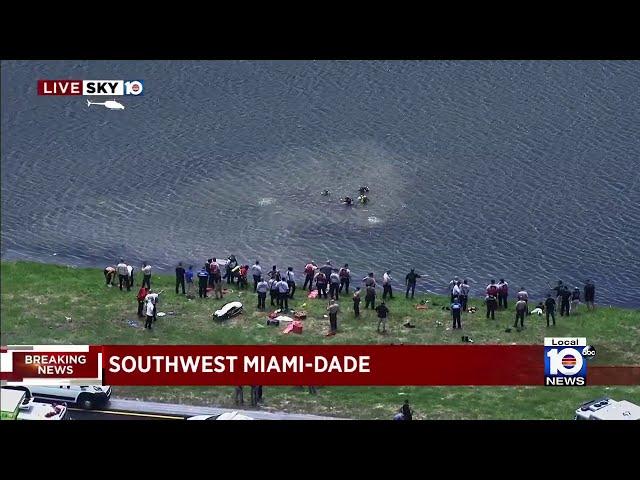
52,304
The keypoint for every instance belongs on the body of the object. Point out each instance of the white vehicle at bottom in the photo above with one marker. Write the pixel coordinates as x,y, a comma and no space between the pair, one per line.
85,396
225,416
16,406
608,409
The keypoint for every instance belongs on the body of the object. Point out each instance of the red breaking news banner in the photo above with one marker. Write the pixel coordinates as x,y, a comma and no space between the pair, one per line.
372,365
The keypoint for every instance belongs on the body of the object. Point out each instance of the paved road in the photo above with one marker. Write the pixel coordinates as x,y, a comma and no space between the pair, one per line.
79,414
118,409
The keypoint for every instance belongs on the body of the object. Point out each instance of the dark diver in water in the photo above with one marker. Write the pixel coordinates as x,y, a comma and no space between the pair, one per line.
363,199
346,201
325,193
363,190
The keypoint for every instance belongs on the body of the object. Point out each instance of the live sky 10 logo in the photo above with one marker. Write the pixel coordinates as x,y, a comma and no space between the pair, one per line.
565,361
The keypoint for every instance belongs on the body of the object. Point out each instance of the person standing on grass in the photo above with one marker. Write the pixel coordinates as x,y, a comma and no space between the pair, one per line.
262,289
203,277
180,278
345,277
149,311
456,308
110,275
254,395
239,395
589,294
558,291
523,295
333,310
217,284
386,285
491,303
410,280
273,290
356,302
123,275
283,294
521,310
575,300
452,283
309,272
464,294
334,284
189,276
565,295
383,313
256,273
456,291
321,284
290,277
550,309
242,277
142,294
130,274
215,274
153,298
370,297
146,272
503,293
406,411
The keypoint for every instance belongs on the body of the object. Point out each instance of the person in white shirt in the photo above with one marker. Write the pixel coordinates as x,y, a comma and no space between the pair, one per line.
386,285
283,294
256,272
262,289
456,291
146,272
290,277
123,274
334,284
153,299
452,284
130,274
149,311
464,294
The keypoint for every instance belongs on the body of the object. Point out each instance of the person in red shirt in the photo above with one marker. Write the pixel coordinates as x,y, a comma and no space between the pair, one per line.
242,279
142,293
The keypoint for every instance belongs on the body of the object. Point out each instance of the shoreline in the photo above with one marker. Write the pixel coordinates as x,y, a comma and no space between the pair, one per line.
397,287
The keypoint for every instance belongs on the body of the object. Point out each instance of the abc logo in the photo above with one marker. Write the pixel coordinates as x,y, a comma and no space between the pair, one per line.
589,352
133,87
567,361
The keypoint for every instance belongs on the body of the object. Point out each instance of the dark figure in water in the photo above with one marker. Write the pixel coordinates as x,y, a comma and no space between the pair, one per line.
347,201
325,193
363,199
363,190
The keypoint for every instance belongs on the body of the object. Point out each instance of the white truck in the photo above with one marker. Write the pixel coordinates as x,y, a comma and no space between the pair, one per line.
608,409
15,405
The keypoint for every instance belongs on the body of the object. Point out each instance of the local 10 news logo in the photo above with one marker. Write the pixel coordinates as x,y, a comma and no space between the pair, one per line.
565,361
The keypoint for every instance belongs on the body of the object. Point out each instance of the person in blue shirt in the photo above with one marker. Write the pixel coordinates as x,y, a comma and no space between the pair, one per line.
189,277
456,308
203,277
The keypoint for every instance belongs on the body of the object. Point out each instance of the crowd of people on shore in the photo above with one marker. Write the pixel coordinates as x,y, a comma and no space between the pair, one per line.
330,282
